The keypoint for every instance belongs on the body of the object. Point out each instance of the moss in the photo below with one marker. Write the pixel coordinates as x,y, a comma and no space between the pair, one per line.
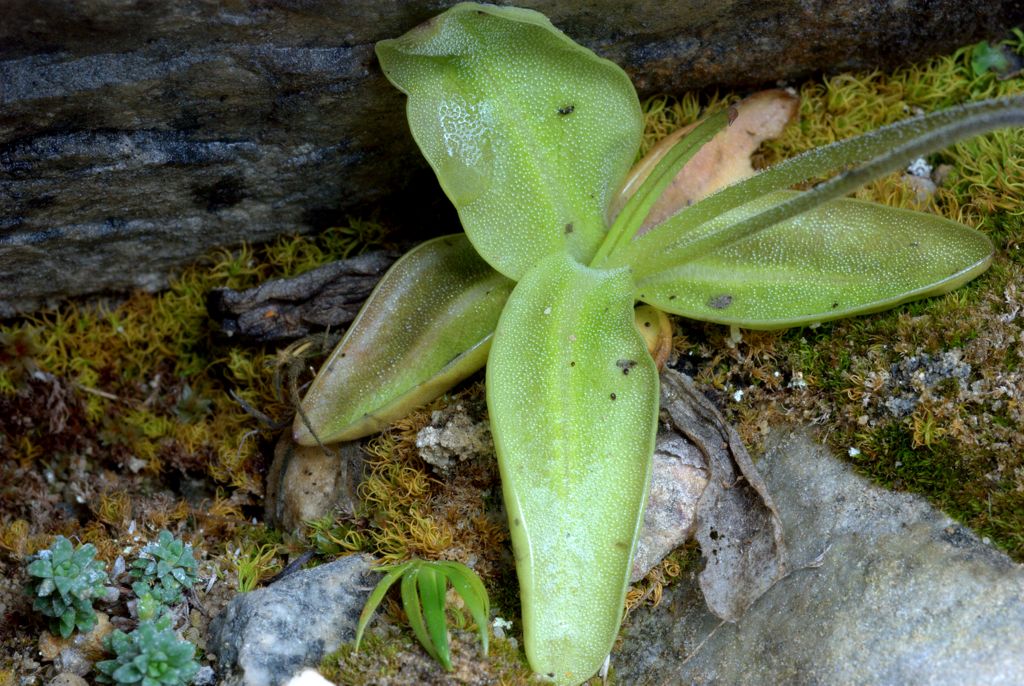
407,510
390,656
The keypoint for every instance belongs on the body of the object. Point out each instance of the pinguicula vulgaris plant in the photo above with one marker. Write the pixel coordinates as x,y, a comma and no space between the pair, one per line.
531,137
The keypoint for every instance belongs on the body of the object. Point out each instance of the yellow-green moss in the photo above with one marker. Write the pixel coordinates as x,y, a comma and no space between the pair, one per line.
390,656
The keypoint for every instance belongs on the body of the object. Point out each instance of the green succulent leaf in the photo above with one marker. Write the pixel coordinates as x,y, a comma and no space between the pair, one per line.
425,327
529,133
573,398
64,580
67,622
843,258
164,569
151,655
696,230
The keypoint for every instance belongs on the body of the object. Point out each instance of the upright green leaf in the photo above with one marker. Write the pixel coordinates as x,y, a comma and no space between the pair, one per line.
528,132
425,327
843,258
573,399
377,595
412,607
432,586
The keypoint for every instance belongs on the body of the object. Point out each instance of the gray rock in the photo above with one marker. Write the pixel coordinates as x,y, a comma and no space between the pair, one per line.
266,636
679,475
885,590
67,679
72,661
134,136
306,483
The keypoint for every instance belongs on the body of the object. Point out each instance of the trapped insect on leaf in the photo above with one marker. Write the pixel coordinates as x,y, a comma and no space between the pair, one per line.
532,137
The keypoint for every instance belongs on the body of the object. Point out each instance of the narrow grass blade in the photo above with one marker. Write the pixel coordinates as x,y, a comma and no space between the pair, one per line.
468,585
432,585
640,203
411,605
379,591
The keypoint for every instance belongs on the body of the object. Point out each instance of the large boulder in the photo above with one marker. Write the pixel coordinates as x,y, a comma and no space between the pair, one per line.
134,135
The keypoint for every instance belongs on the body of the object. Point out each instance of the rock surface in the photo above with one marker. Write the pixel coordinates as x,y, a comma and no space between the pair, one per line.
306,483
267,636
134,136
679,475
885,590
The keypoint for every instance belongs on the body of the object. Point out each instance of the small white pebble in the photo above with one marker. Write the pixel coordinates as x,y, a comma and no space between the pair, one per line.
986,540
853,452
308,677
920,167
500,626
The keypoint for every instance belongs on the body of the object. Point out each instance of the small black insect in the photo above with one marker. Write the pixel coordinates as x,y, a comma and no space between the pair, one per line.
566,109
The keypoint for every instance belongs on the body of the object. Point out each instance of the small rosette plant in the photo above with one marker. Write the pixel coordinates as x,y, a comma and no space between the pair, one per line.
152,655
164,569
64,582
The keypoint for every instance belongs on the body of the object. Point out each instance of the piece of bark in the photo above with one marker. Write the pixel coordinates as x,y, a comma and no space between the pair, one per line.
285,309
738,528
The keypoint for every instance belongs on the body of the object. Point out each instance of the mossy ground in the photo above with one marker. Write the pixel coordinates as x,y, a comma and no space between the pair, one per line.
927,397
114,412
